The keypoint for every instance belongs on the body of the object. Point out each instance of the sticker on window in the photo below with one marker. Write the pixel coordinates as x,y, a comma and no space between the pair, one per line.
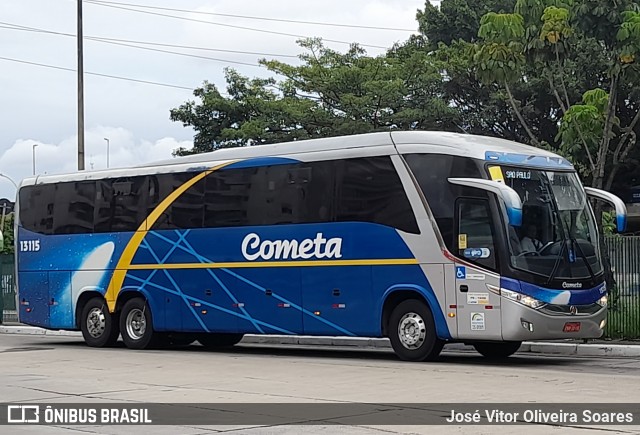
475,253
462,241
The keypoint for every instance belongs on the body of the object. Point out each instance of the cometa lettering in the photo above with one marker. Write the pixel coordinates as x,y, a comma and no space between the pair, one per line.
253,248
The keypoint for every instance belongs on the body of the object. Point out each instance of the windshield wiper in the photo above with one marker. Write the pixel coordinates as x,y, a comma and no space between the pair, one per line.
575,243
556,213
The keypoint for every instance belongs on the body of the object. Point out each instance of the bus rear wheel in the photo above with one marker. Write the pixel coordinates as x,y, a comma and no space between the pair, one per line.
99,327
216,341
136,324
412,332
497,350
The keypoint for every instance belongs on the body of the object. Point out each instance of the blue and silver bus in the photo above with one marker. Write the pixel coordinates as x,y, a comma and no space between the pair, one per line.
426,238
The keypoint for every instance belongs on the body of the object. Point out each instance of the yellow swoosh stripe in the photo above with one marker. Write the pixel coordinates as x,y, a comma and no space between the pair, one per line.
124,263
294,263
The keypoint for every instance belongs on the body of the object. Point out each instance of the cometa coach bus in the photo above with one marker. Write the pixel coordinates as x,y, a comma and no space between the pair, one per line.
422,237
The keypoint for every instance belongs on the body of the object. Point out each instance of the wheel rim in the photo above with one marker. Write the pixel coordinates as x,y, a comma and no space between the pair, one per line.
412,331
136,324
96,322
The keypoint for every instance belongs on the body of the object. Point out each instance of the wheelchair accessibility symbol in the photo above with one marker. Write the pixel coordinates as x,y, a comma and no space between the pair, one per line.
461,272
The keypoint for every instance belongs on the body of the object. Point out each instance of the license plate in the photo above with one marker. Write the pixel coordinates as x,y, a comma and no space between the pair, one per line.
572,327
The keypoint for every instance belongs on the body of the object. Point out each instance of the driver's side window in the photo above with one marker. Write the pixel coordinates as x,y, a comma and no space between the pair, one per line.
475,232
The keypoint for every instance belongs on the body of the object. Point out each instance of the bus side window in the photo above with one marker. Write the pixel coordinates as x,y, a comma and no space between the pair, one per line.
75,204
37,208
129,203
104,209
370,190
474,223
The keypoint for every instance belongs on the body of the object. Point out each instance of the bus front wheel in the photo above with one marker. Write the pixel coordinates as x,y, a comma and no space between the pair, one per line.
136,325
214,341
497,350
99,327
412,332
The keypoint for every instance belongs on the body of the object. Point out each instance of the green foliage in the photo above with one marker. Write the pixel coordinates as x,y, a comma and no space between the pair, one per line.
457,19
609,223
7,232
629,36
556,25
329,94
499,57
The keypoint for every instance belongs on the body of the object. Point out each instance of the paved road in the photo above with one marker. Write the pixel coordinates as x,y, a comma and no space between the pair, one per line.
62,369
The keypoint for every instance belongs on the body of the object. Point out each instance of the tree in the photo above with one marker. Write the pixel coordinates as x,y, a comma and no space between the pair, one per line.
484,108
457,19
328,94
550,38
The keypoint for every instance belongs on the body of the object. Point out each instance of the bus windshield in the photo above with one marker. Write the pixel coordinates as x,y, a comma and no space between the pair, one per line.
558,237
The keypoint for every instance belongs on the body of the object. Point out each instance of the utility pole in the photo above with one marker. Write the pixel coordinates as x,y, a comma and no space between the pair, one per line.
80,37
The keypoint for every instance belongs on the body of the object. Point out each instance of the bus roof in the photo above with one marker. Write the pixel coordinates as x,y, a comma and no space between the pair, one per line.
478,147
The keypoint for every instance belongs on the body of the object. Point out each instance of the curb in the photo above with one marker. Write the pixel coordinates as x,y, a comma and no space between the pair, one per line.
547,348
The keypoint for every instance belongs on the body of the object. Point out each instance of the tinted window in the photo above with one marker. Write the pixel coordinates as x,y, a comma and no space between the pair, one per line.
475,234
226,197
364,190
187,211
432,171
369,190
37,207
75,207
128,203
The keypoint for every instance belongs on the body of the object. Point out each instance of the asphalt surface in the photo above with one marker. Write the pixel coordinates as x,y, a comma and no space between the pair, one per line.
42,369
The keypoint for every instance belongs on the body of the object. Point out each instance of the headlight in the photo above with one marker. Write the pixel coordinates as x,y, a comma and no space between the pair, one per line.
603,301
523,299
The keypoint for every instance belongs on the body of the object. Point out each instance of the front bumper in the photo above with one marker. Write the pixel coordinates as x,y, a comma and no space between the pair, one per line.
546,326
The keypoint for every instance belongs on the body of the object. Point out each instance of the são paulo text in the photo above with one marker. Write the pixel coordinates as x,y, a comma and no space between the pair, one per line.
253,248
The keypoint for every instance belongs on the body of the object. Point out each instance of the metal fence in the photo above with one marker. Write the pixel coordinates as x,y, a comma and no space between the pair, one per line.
624,310
7,288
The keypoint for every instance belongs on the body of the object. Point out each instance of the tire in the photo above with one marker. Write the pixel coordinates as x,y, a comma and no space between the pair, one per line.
136,325
412,332
497,350
217,341
99,327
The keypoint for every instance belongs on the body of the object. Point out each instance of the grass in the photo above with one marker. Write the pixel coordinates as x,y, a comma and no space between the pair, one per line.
623,320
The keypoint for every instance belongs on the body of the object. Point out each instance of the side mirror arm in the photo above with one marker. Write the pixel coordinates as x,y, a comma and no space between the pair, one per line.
509,197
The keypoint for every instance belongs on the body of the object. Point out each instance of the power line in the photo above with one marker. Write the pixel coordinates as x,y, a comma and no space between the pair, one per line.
226,61
226,25
158,50
129,79
247,17
11,26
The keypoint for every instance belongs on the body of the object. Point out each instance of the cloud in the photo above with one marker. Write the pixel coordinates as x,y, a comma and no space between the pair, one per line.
124,150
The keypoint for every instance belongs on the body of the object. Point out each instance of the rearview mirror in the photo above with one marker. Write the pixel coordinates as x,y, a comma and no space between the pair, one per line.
509,197
621,209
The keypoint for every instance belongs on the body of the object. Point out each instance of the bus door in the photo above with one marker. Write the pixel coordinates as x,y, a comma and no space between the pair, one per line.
477,308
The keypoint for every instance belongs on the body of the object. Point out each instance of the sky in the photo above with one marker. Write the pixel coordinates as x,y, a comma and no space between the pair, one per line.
38,104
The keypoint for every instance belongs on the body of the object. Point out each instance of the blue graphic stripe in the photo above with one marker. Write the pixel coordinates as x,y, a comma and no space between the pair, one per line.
260,161
179,292
208,304
224,287
256,286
